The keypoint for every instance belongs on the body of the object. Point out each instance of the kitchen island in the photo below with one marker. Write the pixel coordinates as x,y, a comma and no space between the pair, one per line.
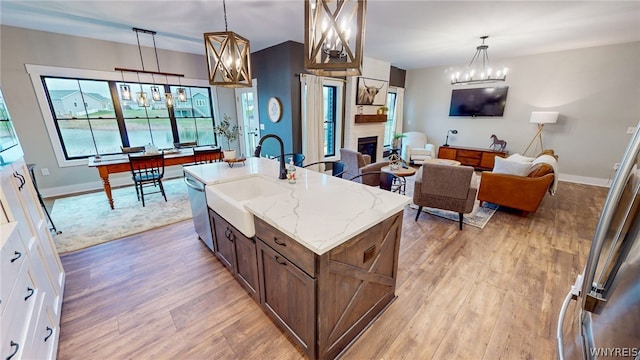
322,256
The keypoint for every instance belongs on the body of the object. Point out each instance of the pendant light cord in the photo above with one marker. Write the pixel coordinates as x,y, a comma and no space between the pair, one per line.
139,48
224,9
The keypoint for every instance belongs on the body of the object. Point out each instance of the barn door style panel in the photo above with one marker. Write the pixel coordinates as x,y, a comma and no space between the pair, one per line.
357,280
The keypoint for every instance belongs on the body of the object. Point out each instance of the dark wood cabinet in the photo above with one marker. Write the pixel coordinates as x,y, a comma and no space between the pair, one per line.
237,252
247,264
480,159
223,242
288,296
322,302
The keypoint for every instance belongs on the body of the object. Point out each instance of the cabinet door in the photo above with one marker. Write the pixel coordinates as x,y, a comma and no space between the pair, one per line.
488,160
288,295
246,263
224,241
446,153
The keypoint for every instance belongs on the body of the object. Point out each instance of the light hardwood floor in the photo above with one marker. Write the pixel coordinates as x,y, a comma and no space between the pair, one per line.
491,293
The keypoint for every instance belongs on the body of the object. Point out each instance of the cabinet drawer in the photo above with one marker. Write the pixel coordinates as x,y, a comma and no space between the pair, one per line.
469,161
12,258
291,249
469,154
18,315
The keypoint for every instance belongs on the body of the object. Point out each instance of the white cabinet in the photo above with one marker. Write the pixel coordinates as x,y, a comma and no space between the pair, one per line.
32,281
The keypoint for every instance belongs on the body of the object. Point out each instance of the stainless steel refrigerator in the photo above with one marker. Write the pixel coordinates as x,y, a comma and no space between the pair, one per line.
600,316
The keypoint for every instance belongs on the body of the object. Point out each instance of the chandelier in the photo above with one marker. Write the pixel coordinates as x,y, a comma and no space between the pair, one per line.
479,70
142,97
334,36
228,57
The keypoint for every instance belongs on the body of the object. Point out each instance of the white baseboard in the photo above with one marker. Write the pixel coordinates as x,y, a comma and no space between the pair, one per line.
115,181
585,180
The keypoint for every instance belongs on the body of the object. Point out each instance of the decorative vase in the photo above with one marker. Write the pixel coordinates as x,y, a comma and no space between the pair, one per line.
229,154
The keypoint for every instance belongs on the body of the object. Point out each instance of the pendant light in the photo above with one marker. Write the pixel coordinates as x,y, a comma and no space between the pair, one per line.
142,99
155,90
125,90
334,36
479,70
228,57
168,97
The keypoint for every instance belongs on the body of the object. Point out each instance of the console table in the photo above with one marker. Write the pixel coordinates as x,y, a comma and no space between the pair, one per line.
480,159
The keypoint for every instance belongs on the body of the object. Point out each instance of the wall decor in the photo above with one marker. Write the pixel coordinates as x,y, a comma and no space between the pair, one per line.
372,91
274,109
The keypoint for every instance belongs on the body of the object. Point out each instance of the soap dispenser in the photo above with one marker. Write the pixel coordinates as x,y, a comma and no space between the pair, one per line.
291,172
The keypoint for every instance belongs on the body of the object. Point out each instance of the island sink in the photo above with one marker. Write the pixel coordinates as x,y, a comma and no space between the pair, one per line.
228,199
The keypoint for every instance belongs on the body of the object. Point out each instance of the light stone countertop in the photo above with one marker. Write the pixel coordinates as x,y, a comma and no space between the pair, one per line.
320,211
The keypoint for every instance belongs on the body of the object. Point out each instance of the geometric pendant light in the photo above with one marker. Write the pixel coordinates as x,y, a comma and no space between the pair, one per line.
334,36
228,57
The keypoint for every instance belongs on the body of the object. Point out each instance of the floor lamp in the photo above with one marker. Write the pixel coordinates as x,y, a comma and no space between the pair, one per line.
540,118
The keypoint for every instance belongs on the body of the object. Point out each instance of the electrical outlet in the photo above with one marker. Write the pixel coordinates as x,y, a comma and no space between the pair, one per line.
261,126
45,171
631,130
616,166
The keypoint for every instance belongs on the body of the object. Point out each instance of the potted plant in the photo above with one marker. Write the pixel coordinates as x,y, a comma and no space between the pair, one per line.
397,138
382,110
230,133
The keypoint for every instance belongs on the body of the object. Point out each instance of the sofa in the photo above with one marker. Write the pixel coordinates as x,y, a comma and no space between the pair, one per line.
519,182
415,149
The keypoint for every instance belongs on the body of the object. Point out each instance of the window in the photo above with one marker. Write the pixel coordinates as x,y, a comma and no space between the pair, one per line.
390,126
329,110
332,114
105,122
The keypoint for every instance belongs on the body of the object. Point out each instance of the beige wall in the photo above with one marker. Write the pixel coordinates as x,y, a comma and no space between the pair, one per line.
596,90
21,46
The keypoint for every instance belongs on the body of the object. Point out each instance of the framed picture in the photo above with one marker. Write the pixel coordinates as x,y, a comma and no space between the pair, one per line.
372,92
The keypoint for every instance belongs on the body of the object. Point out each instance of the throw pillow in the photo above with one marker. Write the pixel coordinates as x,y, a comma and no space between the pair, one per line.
520,158
540,169
509,167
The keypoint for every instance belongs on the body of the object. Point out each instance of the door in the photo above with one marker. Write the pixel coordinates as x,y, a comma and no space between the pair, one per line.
248,119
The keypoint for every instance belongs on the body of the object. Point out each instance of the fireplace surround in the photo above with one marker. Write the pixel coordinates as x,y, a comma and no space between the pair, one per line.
368,146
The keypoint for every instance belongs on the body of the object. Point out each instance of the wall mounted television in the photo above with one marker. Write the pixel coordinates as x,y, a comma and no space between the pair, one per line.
478,101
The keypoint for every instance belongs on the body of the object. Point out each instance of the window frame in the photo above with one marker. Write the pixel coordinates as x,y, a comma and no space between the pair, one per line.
339,116
36,72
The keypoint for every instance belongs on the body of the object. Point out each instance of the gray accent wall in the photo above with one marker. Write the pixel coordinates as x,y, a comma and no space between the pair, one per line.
596,90
277,69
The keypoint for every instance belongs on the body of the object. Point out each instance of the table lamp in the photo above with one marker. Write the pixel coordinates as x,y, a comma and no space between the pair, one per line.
541,118
446,143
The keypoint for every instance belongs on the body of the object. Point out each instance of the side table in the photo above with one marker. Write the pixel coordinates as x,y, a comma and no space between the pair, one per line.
401,173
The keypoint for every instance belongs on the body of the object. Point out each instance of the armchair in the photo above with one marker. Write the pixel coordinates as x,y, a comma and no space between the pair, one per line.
445,187
415,149
354,161
358,164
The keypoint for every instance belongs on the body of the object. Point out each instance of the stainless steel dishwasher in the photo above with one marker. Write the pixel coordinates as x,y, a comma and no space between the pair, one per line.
199,209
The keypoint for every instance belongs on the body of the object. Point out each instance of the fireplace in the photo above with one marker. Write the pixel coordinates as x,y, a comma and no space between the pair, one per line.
368,146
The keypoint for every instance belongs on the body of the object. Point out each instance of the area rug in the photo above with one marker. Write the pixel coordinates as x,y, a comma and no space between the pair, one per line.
87,220
479,216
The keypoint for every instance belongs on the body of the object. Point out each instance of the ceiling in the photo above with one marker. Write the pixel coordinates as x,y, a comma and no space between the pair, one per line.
408,34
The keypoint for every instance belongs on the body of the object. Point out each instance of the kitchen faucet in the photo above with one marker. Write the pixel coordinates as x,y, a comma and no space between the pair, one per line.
283,171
